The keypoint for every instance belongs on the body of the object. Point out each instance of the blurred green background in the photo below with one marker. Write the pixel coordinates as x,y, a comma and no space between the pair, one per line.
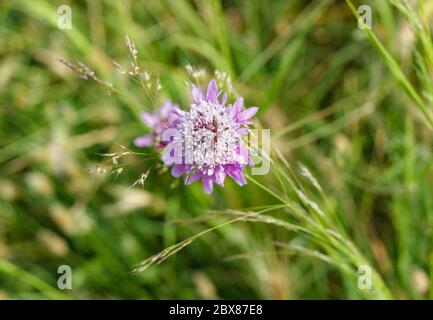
329,99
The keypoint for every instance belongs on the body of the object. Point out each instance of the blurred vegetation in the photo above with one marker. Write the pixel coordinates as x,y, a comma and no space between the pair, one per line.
352,105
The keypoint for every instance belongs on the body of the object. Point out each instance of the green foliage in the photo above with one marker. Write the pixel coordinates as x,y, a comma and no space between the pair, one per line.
351,174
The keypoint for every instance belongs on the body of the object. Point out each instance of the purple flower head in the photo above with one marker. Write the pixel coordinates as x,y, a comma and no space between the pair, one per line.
165,117
205,143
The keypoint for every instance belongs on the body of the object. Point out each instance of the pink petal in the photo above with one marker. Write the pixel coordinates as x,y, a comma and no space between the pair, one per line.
197,95
208,184
149,118
224,99
220,175
231,111
144,141
166,109
239,104
212,91
243,131
247,114
237,175
244,151
173,117
177,170
196,176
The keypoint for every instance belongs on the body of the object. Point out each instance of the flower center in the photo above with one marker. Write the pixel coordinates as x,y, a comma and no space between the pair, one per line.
210,136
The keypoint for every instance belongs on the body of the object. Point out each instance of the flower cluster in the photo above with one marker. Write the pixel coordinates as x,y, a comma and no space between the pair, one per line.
205,142
158,121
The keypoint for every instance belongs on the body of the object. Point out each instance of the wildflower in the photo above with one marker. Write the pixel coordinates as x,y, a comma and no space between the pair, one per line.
210,137
158,121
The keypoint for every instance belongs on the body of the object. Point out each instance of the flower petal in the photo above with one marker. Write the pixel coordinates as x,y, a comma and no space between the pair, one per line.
231,111
208,184
243,131
239,104
166,109
220,175
247,114
224,99
238,176
197,95
177,170
144,141
212,91
193,178
150,118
